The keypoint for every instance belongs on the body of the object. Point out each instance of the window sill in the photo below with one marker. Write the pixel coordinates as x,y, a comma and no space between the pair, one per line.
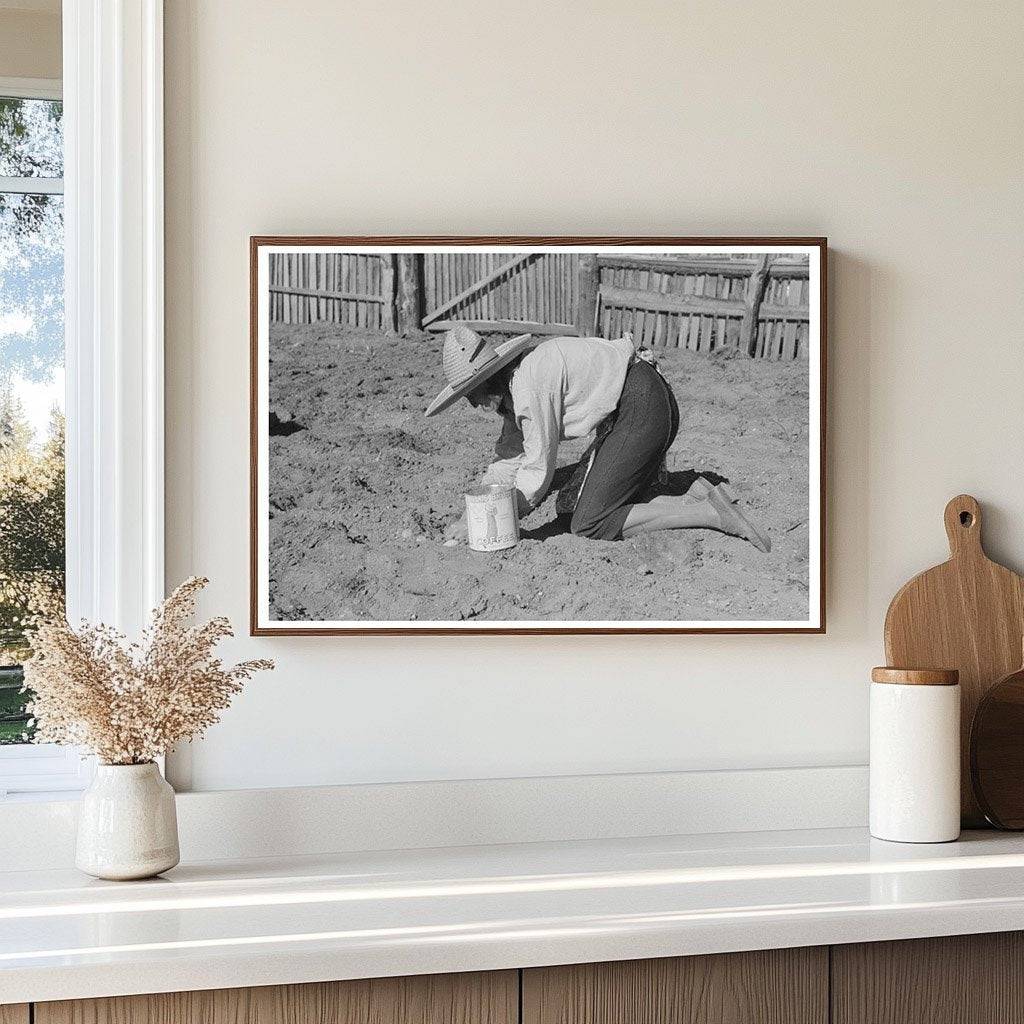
43,771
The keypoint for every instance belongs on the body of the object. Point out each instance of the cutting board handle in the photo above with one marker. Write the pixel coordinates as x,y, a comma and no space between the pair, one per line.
963,526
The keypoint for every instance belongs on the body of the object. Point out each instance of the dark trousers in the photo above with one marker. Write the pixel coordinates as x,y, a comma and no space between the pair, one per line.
627,462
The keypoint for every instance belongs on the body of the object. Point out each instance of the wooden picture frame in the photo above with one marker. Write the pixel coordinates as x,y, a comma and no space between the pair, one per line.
747,324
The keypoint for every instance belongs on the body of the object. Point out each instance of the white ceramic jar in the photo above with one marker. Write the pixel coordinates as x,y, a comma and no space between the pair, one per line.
915,755
127,824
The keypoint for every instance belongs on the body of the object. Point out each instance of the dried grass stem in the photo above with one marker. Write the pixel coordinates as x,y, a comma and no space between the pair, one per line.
129,703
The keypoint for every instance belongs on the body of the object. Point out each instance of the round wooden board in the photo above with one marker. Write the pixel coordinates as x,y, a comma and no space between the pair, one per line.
997,752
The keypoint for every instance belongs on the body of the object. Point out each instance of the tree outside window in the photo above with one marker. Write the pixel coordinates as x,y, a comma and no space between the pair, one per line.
31,387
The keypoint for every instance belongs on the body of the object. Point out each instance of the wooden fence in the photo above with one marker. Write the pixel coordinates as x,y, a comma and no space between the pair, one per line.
757,303
706,304
537,292
341,288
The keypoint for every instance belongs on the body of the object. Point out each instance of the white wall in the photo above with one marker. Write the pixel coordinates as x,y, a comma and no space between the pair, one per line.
895,129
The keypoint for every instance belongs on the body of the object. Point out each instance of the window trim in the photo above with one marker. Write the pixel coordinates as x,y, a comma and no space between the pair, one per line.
48,89
112,89
114,309
32,186
32,88
43,769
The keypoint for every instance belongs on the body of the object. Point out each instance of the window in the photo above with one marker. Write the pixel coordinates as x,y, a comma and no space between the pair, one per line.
32,514
109,208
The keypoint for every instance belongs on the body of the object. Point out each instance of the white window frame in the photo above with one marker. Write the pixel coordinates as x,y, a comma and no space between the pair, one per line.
114,324
31,89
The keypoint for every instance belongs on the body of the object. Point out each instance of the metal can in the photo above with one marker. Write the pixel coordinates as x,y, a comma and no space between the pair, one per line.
491,519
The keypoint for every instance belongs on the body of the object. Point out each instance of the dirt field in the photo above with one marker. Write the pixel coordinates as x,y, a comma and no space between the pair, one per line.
362,485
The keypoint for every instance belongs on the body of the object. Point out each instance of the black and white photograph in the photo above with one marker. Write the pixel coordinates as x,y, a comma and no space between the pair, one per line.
557,435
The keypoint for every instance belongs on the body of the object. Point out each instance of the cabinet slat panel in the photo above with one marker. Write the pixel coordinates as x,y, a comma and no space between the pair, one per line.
961,979
14,1013
479,998
779,986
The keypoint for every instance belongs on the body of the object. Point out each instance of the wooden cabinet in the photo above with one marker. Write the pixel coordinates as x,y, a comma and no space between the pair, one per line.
970,979
777,986
491,998
962,979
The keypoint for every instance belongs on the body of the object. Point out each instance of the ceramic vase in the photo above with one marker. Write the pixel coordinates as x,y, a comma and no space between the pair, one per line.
127,825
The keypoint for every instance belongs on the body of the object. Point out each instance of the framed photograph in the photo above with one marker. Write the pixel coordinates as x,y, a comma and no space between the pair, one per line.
537,435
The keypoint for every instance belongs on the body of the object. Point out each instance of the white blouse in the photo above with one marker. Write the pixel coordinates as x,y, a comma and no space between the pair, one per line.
562,389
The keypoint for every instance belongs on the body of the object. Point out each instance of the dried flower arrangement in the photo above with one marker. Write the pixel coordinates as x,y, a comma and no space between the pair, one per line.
130,703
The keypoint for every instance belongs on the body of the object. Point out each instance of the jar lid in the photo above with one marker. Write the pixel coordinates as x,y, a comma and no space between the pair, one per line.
916,676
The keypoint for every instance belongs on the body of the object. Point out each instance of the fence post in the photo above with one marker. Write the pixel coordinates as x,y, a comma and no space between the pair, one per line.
757,283
389,306
589,289
409,294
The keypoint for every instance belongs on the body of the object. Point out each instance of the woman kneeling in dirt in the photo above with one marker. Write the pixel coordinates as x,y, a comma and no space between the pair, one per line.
565,388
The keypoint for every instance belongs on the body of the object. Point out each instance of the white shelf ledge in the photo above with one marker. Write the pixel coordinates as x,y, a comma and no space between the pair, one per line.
353,915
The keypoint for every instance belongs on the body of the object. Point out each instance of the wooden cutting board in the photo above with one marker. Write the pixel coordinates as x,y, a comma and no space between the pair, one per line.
967,614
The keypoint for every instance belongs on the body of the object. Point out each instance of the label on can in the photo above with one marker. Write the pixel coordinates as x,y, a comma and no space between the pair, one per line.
491,518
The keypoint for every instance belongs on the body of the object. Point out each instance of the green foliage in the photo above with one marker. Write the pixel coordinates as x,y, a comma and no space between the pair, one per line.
31,347
31,502
32,549
30,138
14,722
30,147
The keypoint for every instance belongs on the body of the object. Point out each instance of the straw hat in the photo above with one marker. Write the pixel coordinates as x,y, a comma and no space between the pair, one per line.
468,361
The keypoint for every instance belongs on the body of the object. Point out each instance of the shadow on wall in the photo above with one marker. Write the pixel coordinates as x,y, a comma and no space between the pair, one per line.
853,286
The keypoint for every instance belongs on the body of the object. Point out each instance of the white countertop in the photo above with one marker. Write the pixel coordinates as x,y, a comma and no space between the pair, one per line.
261,922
